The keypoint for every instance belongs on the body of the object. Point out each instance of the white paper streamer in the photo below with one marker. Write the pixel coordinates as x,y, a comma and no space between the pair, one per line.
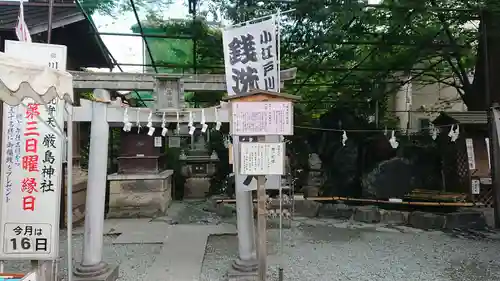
344,138
191,123
204,126
164,129
150,119
433,131
394,143
127,126
191,126
454,133
151,131
138,122
218,124
178,123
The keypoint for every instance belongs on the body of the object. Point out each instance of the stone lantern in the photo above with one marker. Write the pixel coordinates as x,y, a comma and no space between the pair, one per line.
198,165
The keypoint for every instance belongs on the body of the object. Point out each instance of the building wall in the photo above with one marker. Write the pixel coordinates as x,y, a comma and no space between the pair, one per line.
426,101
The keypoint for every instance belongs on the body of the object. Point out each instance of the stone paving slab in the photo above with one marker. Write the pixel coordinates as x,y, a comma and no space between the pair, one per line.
149,235
182,256
117,226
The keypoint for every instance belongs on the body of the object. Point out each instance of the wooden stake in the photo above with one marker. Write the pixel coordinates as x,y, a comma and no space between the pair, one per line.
261,227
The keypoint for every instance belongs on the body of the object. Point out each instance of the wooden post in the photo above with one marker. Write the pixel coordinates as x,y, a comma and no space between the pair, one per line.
261,159
261,227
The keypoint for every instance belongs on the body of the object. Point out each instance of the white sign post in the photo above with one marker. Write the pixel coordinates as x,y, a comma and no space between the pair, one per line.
258,159
32,166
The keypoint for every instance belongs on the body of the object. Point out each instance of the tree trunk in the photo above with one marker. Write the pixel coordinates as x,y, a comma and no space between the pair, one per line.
487,69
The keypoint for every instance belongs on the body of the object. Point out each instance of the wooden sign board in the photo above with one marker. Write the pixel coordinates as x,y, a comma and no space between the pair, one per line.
262,158
262,118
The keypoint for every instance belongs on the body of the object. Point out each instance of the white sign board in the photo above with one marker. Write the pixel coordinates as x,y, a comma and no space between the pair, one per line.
262,158
476,187
469,144
262,118
157,141
250,57
31,166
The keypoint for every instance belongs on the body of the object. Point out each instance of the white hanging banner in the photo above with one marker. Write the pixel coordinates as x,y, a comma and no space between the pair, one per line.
31,166
469,144
250,57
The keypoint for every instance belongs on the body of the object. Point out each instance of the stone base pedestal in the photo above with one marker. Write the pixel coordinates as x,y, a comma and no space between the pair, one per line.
243,271
196,187
100,272
139,195
234,275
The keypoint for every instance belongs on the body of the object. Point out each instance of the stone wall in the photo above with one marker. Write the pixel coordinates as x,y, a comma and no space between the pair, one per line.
134,196
463,218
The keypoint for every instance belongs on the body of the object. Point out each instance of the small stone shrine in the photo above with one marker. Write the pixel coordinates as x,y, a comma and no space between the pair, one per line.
315,176
198,164
141,153
142,187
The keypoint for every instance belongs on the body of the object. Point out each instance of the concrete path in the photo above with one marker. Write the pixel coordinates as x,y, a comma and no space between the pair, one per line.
182,255
183,245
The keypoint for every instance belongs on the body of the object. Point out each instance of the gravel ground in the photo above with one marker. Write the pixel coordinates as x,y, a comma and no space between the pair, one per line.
196,212
319,249
134,259
326,252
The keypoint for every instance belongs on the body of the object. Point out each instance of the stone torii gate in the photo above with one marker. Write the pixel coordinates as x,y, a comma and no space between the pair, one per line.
168,93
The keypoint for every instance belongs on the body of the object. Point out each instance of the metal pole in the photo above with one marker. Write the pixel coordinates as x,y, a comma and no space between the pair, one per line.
261,227
280,264
69,190
278,49
49,28
246,261
280,187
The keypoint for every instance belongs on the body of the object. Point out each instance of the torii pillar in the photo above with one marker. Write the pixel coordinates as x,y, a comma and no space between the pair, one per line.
92,267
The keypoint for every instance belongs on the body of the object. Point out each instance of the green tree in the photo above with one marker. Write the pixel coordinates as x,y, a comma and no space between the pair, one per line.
116,7
352,52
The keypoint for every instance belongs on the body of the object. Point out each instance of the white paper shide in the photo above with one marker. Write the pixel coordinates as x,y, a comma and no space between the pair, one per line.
250,57
262,158
262,118
31,167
